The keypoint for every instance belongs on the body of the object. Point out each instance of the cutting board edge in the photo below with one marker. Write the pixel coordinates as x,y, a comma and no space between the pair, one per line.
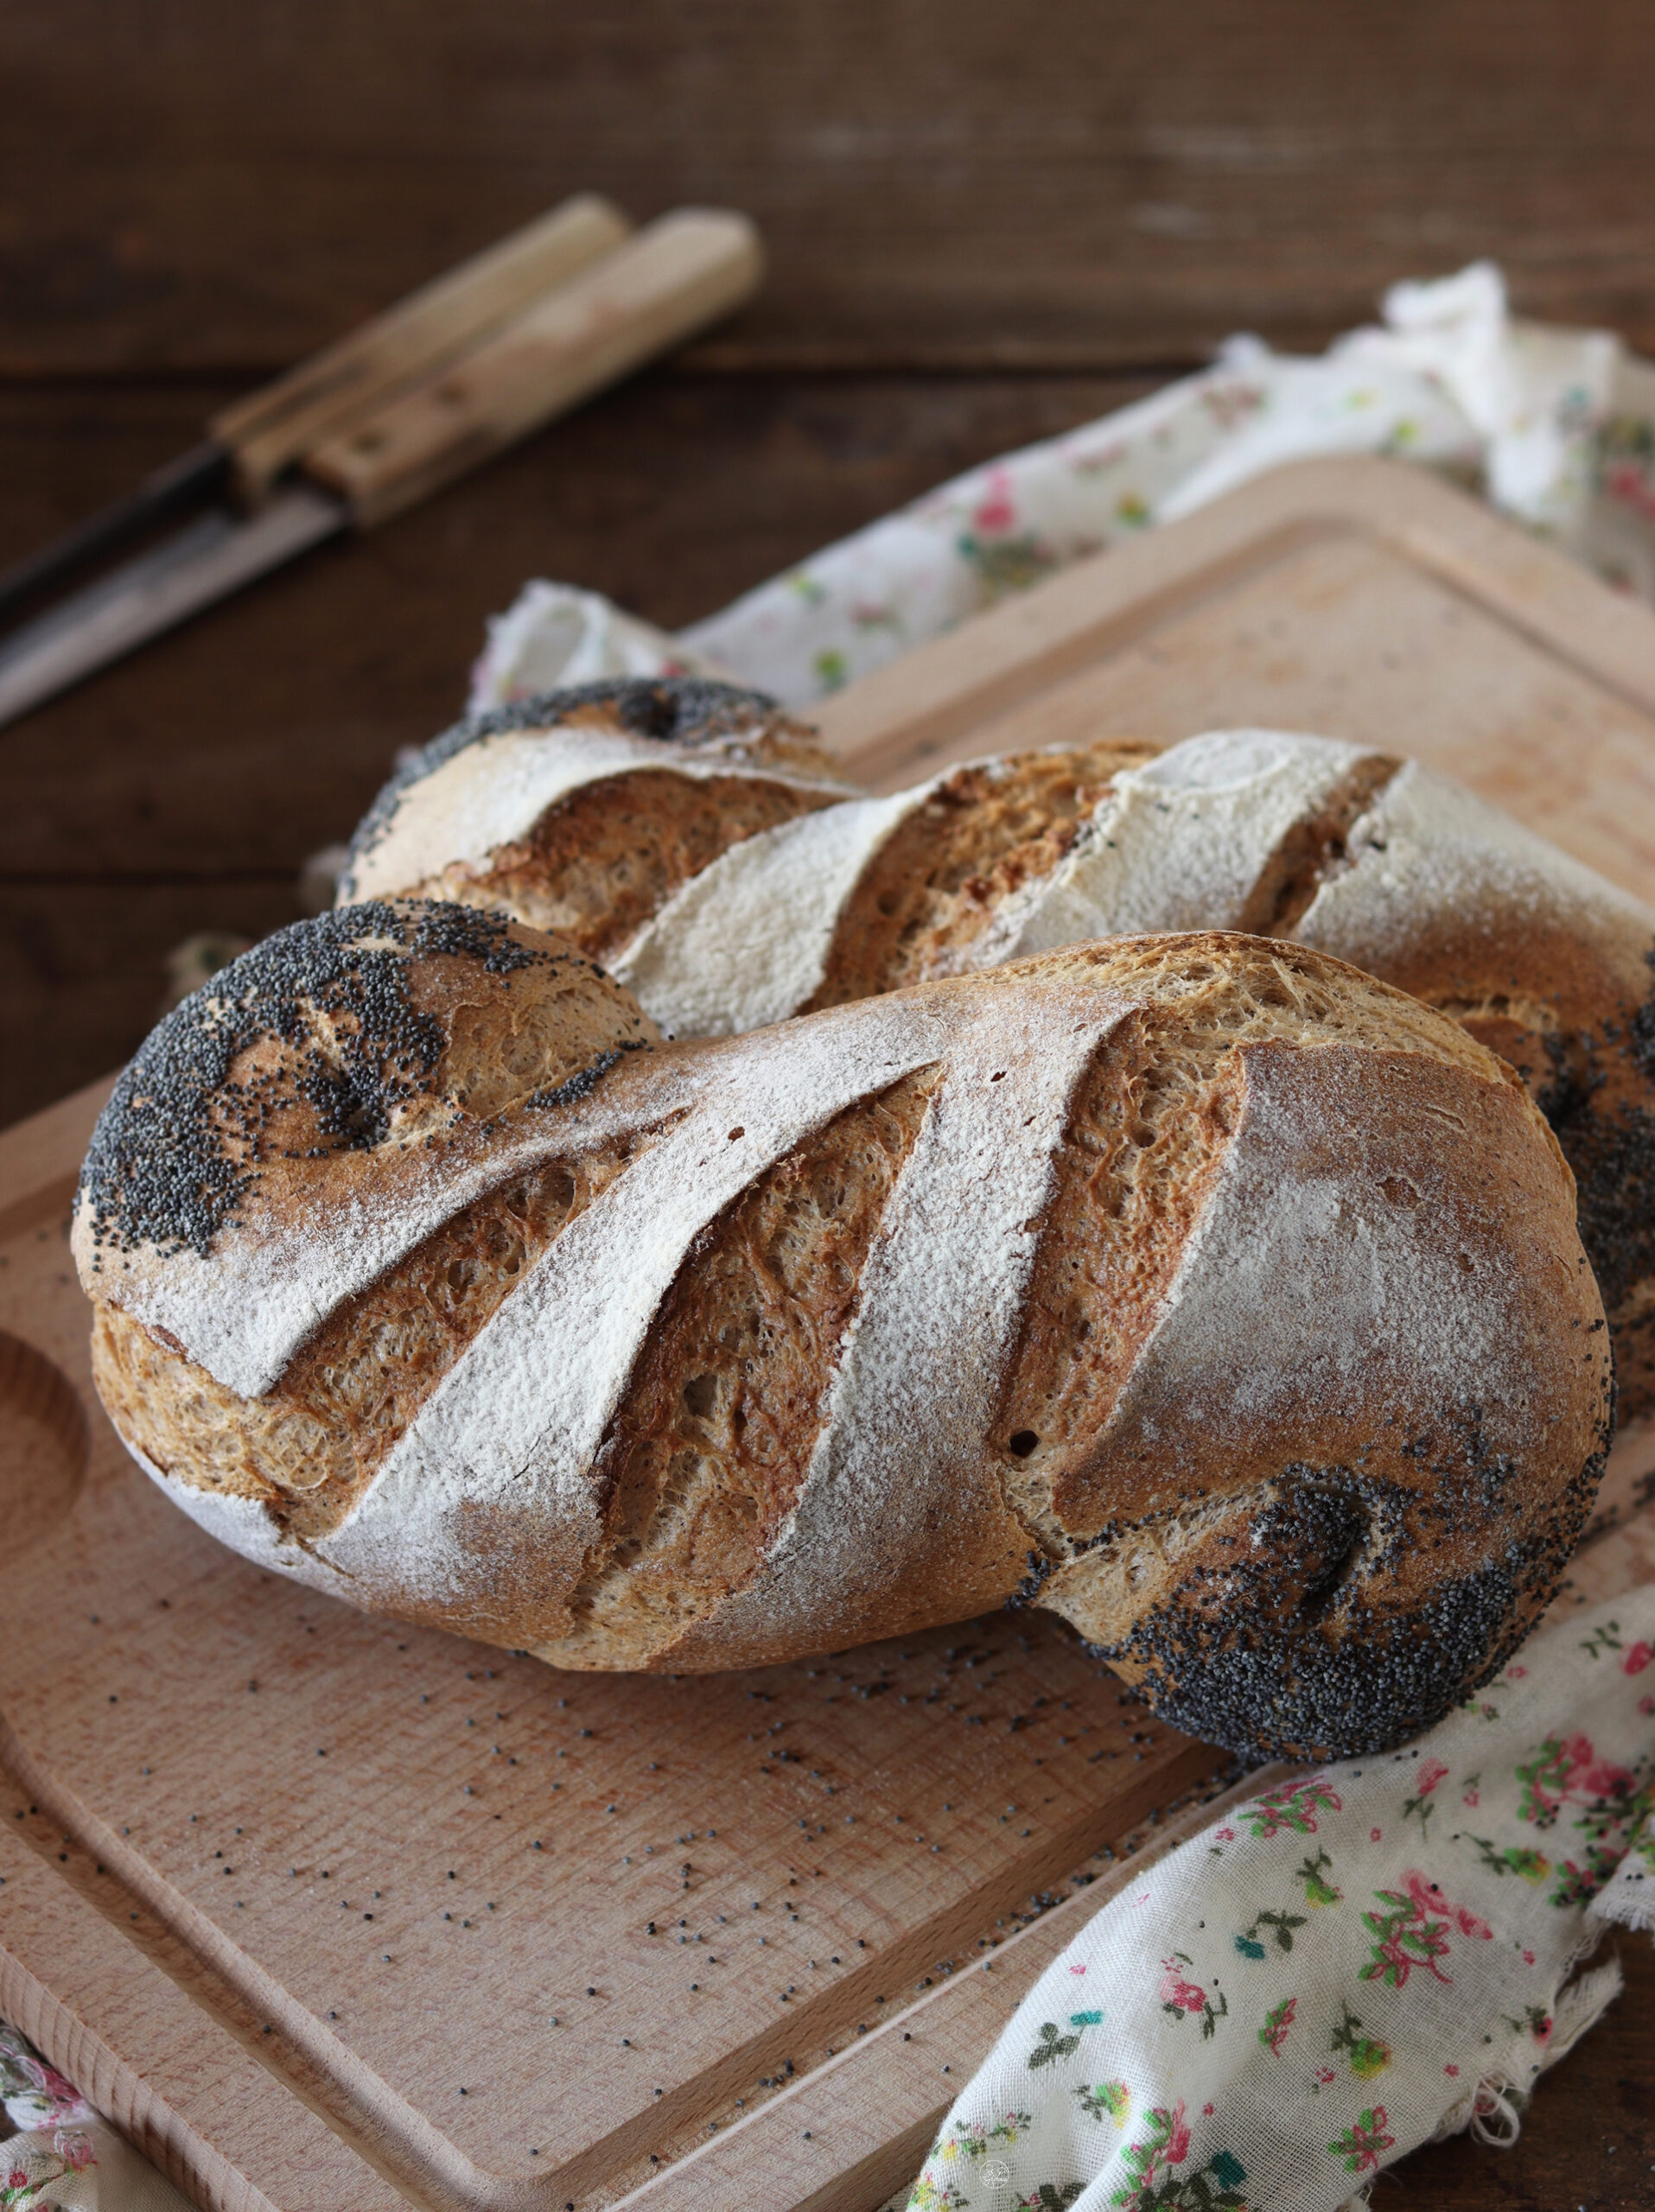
889,720
199,2106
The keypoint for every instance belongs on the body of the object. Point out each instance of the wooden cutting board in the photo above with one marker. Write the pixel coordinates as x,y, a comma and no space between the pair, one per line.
327,1913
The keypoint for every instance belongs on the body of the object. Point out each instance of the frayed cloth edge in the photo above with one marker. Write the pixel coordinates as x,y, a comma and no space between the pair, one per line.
1619,1905
1492,2109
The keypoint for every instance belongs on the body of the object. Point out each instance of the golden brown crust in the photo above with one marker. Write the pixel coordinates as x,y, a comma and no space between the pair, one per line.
702,725
1312,849
308,1450
938,882
1534,987
1273,1567
1147,1134
711,1444
1148,1130
603,860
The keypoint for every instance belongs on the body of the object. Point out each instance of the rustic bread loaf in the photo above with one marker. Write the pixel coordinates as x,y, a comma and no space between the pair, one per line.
1365,855
1200,1288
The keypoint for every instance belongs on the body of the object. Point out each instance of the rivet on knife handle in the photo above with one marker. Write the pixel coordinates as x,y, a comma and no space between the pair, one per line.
666,283
336,389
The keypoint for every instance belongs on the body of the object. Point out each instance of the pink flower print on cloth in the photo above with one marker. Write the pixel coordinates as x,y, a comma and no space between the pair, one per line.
53,2162
1361,2144
1347,1962
33,2092
1415,1928
1277,2021
1179,1996
1295,1806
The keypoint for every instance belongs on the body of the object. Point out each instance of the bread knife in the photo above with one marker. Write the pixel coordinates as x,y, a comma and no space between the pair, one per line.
644,295
250,442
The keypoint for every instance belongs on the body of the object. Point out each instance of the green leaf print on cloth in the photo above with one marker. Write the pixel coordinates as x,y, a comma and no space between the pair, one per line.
1106,2100
1363,2140
1415,1928
1313,1872
1214,2187
1052,2045
1280,1926
1430,1969
1046,2197
1277,2021
1367,2055
1295,1806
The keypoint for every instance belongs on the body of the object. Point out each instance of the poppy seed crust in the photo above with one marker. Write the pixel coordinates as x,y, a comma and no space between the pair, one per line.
182,1142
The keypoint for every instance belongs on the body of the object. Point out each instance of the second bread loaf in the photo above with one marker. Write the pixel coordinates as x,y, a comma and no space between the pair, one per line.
1357,852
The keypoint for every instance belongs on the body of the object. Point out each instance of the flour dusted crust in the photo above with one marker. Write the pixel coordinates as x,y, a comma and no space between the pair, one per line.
581,812
1198,1288
330,1096
1549,965
747,942
1365,855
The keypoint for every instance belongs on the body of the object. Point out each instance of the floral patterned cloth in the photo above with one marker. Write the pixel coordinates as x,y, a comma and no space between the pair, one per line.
53,2161
65,2155
1358,1961
1557,426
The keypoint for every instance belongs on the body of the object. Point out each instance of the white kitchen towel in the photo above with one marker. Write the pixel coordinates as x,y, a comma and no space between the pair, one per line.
1368,1958
1557,427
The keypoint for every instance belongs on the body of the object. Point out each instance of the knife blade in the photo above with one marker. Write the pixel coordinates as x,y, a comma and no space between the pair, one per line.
663,282
204,562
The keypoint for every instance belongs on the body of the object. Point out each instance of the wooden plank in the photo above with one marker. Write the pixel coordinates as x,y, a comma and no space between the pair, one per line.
937,185
83,967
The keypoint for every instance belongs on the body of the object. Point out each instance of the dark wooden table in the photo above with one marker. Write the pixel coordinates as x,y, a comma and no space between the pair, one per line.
986,223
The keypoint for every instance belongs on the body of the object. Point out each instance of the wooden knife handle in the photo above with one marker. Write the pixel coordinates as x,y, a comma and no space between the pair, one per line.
327,396
667,281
